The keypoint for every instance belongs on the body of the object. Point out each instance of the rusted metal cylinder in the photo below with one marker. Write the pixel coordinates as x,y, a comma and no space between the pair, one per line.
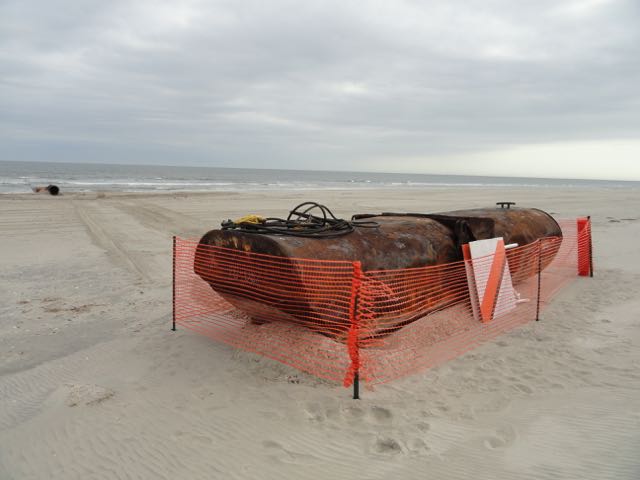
521,226
400,241
397,242
515,225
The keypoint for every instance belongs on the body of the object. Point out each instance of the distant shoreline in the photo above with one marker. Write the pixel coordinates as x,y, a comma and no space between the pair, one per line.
20,177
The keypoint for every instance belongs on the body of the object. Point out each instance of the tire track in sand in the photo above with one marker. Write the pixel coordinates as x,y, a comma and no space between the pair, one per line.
162,219
109,242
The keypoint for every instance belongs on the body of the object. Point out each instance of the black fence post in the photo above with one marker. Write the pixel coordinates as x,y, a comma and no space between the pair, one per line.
173,301
590,247
539,279
356,386
356,376
353,341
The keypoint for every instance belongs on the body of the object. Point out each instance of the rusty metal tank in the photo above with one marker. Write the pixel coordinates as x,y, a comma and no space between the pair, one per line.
397,242
520,226
401,240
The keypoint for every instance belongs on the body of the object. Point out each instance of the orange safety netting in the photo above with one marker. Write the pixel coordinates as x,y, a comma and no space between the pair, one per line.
333,320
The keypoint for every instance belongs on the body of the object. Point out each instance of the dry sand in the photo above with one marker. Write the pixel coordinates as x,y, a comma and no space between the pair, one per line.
93,384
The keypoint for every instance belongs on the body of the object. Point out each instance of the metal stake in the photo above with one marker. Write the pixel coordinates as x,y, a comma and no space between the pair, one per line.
539,279
173,313
590,248
356,386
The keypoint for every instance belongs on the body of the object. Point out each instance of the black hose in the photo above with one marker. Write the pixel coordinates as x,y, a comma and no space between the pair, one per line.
302,222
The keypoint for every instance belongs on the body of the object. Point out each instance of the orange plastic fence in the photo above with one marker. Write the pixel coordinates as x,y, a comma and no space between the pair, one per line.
333,320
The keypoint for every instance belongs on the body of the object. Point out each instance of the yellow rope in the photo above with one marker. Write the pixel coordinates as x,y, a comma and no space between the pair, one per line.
250,219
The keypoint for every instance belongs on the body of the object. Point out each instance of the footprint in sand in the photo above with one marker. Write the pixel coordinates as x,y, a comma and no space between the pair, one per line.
322,413
493,443
315,414
318,412
386,446
417,446
381,414
353,413
423,426
503,437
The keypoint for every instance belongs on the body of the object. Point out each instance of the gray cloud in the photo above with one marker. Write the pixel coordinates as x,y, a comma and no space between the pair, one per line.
328,85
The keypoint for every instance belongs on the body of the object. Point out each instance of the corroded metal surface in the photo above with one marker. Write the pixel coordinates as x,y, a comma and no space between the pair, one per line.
515,225
400,241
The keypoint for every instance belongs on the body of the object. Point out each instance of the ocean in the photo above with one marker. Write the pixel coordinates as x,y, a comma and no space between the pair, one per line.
20,177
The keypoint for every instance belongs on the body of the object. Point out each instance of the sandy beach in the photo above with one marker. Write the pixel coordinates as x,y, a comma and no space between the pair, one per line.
93,383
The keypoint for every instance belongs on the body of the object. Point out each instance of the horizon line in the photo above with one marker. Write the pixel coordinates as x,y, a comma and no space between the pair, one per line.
319,170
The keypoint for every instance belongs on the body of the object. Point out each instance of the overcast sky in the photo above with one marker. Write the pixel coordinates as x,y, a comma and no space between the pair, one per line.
496,87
